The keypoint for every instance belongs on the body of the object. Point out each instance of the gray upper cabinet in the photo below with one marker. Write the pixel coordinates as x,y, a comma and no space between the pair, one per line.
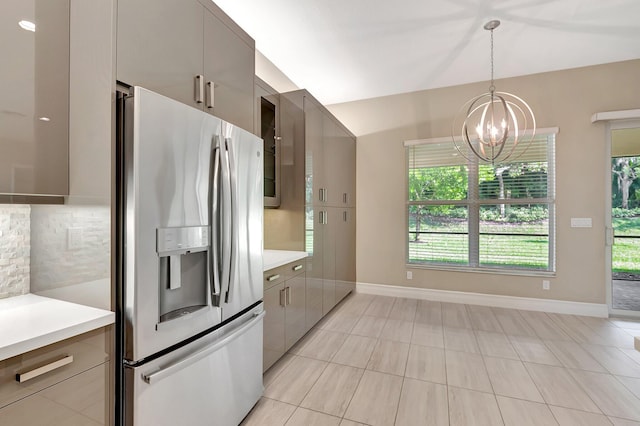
330,158
314,128
190,52
267,126
34,97
160,46
346,163
229,65
340,161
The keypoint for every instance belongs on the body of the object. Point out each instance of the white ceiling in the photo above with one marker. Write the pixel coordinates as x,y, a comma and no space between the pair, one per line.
344,50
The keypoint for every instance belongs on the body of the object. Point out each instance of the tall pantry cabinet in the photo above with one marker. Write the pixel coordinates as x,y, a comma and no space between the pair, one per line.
189,51
329,199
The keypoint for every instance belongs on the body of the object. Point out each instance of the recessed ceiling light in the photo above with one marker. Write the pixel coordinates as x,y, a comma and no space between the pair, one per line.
27,25
44,119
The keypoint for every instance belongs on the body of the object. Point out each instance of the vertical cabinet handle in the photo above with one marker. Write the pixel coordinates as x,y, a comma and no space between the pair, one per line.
344,215
283,297
288,295
199,89
323,218
344,197
210,95
322,194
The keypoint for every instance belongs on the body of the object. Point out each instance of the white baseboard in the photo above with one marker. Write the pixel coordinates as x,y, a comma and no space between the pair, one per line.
494,300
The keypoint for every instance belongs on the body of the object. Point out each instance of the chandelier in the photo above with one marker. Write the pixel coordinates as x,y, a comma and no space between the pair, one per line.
494,124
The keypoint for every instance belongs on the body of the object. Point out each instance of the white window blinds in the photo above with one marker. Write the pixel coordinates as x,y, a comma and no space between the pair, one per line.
472,214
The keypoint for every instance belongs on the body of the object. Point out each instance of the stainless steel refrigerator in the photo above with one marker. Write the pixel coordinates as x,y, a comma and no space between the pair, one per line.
189,265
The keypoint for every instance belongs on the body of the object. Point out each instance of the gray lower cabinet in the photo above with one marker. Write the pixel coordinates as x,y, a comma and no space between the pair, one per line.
328,215
345,252
189,51
334,241
74,392
285,310
315,294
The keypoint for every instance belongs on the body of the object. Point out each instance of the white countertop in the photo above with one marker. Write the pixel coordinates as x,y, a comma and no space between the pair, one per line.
30,322
274,258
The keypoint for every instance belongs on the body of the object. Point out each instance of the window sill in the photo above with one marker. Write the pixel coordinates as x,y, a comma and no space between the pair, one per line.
491,271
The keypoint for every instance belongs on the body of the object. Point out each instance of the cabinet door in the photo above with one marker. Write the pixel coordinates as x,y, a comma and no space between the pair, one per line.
345,252
329,259
295,312
88,350
90,101
348,155
159,46
79,400
229,63
315,187
34,100
340,165
273,343
314,244
267,126
332,171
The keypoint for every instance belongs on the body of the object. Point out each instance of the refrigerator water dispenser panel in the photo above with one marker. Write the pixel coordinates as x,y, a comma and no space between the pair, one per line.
183,275
183,239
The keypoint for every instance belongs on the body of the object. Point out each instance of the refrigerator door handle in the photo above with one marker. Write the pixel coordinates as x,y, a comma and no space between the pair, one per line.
155,377
226,224
235,232
214,220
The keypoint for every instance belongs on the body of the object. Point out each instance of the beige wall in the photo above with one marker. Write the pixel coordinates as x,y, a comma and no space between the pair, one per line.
565,99
272,75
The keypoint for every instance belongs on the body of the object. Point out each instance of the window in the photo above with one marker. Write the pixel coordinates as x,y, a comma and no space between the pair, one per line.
468,214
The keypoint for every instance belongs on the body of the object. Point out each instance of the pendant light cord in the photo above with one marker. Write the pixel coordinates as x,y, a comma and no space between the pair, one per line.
492,88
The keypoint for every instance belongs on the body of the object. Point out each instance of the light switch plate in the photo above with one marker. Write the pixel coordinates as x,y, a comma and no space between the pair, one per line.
581,222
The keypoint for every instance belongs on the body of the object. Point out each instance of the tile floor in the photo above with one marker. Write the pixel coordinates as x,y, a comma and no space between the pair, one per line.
378,360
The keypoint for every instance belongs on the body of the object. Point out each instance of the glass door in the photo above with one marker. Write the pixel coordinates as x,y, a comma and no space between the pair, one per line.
624,232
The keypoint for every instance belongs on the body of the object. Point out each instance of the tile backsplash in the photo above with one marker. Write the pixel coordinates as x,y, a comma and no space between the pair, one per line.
15,250
69,245
46,247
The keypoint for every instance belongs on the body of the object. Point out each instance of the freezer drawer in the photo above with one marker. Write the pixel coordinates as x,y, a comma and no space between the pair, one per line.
214,380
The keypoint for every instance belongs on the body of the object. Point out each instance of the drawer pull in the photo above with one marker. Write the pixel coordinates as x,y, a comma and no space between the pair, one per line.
273,277
23,377
297,267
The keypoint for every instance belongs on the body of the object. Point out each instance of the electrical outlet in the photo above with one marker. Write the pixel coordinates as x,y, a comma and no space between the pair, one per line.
409,275
74,238
546,285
